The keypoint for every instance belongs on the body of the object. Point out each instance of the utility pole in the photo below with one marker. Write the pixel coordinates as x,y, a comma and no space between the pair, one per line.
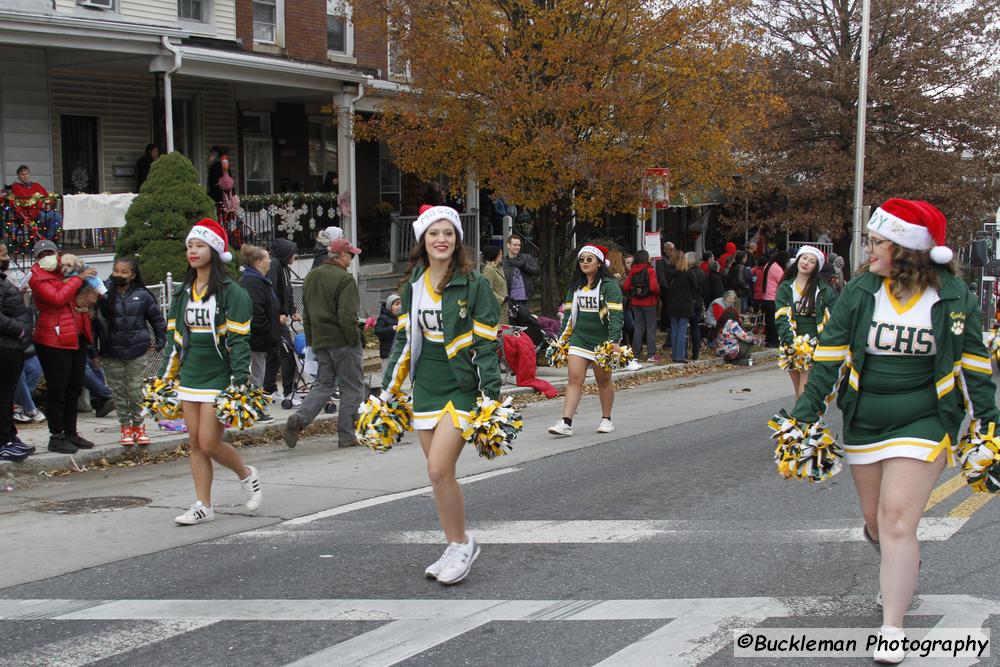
859,156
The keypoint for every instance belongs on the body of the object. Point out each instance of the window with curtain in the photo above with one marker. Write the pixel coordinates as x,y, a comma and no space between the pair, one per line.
265,21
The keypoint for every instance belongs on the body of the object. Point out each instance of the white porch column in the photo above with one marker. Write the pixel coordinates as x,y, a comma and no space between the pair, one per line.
346,171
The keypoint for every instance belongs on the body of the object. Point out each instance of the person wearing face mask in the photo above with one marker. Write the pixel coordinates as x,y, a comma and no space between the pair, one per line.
62,334
129,312
14,338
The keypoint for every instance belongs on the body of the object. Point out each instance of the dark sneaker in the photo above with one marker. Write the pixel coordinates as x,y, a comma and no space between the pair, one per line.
18,444
347,442
330,408
59,445
78,442
336,394
265,419
104,408
292,429
9,453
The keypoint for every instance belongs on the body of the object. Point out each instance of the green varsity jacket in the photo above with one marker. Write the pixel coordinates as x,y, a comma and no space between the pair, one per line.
231,325
784,315
962,371
469,313
610,310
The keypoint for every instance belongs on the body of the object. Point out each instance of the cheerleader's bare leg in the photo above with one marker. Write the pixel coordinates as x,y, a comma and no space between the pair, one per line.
801,387
605,390
794,375
574,389
442,447
906,486
868,483
201,464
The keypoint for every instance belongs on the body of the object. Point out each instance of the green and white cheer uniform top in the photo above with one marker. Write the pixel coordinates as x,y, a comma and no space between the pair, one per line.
208,341
790,317
592,316
905,374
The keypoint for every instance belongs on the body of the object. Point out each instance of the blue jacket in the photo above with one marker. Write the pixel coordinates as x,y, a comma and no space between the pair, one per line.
128,318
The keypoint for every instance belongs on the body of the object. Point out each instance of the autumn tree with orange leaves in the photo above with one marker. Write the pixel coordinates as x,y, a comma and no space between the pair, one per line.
559,105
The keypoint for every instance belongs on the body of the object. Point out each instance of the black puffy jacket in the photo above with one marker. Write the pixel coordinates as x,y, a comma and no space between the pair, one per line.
385,331
265,333
128,317
15,320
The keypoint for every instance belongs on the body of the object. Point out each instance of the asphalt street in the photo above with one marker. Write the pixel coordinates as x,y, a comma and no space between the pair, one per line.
646,546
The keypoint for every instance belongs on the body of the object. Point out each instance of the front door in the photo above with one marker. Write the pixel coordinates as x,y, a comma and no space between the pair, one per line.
80,138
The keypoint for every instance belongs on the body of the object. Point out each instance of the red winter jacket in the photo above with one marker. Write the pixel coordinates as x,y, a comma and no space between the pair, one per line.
726,256
21,191
58,325
654,286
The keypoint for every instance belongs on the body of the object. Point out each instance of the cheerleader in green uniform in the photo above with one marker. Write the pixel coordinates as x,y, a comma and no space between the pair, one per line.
446,345
904,350
208,348
802,304
592,315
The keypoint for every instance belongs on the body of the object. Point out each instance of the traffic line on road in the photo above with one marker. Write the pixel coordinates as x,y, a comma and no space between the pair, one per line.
968,507
696,628
388,498
945,490
94,646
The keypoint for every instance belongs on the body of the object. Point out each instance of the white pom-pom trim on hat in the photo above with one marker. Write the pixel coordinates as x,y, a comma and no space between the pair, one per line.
941,254
226,257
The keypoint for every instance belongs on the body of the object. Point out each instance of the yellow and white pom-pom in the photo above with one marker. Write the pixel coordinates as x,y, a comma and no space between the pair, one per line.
798,356
493,426
557,353
805,451
993,344
608,357
979,452
240,406
381,423
159,399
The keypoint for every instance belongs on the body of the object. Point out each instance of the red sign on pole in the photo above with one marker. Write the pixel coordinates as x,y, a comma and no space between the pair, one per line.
656,187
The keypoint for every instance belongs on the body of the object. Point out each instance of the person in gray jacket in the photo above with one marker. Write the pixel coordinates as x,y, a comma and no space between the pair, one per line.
517,267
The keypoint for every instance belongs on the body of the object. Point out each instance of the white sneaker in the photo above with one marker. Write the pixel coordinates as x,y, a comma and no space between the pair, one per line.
37,416
606,426
275,397
296,401
21,416
251,489
197,514
633,366
561,428
437,566
459,563
893,653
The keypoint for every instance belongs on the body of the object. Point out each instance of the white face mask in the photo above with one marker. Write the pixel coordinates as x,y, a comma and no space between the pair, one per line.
49,262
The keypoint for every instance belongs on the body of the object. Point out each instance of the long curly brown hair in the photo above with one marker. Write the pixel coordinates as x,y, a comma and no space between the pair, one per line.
461,262
913,271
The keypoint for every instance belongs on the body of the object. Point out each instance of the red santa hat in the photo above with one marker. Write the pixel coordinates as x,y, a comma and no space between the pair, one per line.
212,234
916,225
598,251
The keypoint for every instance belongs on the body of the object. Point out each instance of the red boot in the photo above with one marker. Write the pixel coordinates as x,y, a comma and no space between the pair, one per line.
140,435
127,437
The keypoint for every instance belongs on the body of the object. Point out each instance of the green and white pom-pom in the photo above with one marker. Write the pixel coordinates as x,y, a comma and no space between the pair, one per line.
557,353
493,426
381,423
979,452
805,451
240,406
798,356
993,344
159,399
610,357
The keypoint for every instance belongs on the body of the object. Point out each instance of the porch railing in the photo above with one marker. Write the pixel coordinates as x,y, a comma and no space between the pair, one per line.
296,216
402,239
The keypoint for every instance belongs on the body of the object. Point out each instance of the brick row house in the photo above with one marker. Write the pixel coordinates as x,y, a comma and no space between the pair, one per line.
85,85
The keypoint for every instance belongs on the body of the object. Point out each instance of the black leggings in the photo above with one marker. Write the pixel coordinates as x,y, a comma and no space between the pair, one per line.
11,361
63,370
282,356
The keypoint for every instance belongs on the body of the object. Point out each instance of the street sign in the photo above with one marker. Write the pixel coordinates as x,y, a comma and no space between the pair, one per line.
656,187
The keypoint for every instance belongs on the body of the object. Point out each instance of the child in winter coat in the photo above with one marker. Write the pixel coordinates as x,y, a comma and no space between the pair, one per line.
385,327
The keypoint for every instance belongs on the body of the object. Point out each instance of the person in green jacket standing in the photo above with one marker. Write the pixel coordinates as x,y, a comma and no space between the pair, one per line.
208,348
446,345
802,304
904,347
330,303
592,315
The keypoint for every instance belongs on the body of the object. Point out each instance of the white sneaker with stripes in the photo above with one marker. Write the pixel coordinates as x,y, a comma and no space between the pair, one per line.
197,514
251,490
435,568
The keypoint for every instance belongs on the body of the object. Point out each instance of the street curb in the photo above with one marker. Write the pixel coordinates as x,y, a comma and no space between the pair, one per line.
50,462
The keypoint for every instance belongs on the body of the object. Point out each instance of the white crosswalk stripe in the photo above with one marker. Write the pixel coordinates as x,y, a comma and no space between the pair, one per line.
694,628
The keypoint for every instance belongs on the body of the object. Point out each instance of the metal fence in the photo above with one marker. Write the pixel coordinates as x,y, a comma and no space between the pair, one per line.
402,239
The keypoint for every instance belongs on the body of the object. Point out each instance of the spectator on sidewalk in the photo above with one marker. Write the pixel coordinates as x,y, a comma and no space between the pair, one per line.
518,267
330,302
628,323
323,241
14,338
774,273
143,164
698,280
265,333
732,343
664,266
282,256
494,274
736,280
129,312
385,325
62,335
757,275
714,284
25,410
102,401
680,306
727,257
644,291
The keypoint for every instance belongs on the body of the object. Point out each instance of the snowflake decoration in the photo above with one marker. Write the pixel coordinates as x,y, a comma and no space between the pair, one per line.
290,216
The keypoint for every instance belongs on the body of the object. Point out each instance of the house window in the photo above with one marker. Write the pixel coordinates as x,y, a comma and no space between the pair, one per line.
267,21
338,27
258,153
322,150
399,68
192,10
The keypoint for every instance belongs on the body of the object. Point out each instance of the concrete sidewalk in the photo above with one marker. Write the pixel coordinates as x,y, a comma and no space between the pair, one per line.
103,432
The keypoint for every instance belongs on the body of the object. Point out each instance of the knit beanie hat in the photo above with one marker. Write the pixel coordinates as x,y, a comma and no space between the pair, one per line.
431,214
916,225
212,234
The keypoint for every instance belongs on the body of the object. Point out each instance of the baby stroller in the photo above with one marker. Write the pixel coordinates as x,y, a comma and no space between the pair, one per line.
539,335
